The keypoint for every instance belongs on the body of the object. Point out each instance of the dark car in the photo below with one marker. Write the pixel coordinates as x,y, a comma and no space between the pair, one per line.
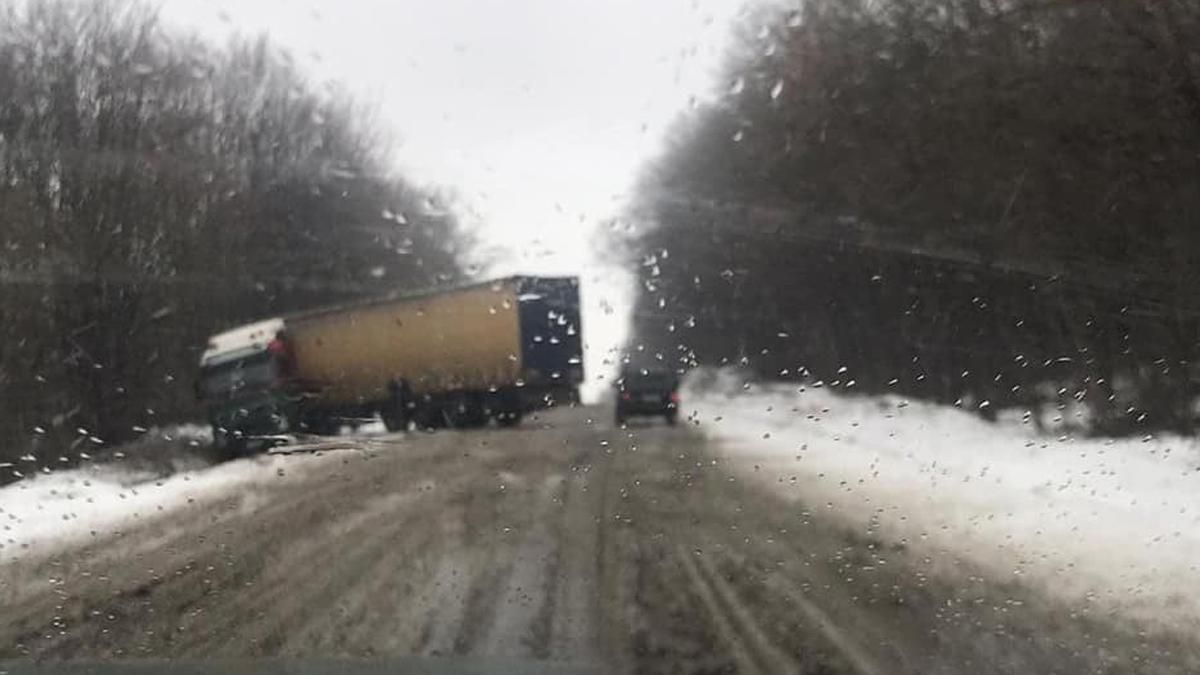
645,392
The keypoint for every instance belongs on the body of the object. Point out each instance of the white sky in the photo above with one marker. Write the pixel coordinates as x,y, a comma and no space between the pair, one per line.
538,113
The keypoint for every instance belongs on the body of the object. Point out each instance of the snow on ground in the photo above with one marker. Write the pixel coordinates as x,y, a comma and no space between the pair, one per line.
1113,524
164,470
49,510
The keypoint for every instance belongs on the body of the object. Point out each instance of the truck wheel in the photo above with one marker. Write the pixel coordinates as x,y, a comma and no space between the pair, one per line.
395,411
429,417
509,419
393,422
228,446
466,412
220,444
323,425
395,416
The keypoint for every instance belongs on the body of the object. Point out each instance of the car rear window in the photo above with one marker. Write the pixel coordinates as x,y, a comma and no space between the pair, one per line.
651,381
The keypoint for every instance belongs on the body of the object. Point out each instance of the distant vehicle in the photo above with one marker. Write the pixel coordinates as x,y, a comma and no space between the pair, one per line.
443,358
643,392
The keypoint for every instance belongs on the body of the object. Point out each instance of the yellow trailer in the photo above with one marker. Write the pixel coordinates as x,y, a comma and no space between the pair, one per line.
462,339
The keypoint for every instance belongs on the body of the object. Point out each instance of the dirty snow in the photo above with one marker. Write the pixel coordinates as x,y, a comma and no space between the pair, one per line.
47,511
1112,524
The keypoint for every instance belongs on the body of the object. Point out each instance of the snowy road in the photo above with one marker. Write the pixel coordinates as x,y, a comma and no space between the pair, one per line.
566,541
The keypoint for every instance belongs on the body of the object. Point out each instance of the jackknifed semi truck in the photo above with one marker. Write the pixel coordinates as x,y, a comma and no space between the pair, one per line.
457,357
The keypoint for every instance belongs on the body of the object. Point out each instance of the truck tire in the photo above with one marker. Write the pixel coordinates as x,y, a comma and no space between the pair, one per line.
509,419
396,411
220,443
322,424
466,411
429,415
392,421
227,446
394,416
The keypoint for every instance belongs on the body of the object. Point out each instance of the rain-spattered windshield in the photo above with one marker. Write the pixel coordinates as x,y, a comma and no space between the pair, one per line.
680,336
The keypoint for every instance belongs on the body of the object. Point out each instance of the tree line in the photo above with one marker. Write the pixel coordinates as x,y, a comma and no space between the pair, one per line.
983,202
156,188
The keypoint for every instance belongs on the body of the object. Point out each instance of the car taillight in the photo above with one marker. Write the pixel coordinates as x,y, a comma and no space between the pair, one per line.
674,397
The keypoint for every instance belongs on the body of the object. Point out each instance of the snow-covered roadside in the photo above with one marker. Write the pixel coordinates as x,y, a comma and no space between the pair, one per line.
1113,524
47,511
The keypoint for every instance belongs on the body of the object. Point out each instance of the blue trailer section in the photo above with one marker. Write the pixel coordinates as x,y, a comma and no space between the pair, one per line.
551,338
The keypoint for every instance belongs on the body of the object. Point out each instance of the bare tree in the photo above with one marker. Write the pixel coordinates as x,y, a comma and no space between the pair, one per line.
155,189
958,199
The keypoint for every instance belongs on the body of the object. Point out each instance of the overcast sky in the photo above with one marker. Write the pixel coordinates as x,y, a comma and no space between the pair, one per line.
538,113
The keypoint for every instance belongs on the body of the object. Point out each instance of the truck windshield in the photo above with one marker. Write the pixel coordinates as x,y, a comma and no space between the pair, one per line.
254,371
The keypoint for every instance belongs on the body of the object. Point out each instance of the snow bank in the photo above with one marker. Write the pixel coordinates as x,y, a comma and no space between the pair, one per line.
166,469
1111,523
58,508
167,450
160,450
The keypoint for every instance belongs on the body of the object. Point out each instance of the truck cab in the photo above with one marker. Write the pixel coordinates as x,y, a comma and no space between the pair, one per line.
242,382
